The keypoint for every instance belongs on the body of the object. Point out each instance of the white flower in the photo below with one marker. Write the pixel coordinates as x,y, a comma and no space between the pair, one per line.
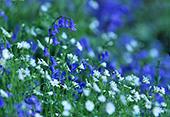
27,72
103,64
79,46
102,98
86,92
37,115
81,66
6,54
137,96
133,80
67,105
96,73
64,47
110,108
146,80
23,44
23,73
54,83
3,93
130,98
157,111
148,104
96,88
153,53
73,41
94,4
72,57
64,36
32,62
89,105
50,93
123,99
104,78
106,72
136,110
113,85
45,7
66,113
48,40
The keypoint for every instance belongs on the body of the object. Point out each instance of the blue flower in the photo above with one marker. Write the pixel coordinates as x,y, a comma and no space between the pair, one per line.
46,53
2,103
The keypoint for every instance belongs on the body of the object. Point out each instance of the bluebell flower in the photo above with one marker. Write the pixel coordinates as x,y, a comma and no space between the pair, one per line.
15,33
55,26
61,22
55,41
34,45
31,100
159,98
2,103
2,14
72,25
53,61
8,3
46,53
8,45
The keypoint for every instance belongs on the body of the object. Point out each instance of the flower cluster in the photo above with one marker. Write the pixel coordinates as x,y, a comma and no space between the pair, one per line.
46,70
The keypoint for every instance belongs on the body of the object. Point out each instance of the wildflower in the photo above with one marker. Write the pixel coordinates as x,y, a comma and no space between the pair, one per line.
86,92
3,93
23,73
89,105
66,113
67,105
6,54
110,108
64,35
96,73
148,104
45,6
133,80
81,66
104,78
55,42
72,25
1,102
78,45
102,98
32,62
46,53
94,4
106,72
23,44
157,111
123,99
96,88
54,82
103,64
72,58
136,110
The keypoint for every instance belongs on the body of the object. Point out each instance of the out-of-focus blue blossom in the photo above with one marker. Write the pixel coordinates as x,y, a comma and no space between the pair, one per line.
46,53
8,3
15,33
34,45
29,107
8,45
2,103
110,13
2,14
